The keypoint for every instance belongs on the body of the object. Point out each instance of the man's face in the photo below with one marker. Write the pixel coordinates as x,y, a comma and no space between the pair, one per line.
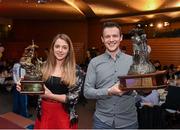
111,38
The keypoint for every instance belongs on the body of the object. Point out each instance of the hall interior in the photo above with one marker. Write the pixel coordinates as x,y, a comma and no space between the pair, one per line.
23,22
40,20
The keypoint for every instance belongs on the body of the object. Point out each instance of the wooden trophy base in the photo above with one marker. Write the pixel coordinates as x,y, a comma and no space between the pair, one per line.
32,87
150,81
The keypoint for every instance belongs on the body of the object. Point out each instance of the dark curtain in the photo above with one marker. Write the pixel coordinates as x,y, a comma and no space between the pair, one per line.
151,117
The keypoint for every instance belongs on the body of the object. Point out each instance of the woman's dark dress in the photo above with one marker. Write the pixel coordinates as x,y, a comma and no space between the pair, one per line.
54,115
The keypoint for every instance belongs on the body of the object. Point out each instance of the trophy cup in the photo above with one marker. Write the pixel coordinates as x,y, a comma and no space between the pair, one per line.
142,74
32,82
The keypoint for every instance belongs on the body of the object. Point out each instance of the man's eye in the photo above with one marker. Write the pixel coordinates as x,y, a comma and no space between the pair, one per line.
115,35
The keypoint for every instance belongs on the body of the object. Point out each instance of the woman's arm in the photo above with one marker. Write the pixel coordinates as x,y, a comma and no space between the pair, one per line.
72,96
49,95
76,90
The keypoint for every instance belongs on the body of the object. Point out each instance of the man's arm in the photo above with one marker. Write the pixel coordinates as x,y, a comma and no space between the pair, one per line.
90,90
15,73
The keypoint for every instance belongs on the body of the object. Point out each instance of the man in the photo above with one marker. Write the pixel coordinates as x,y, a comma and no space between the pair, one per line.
114,108
1,50
20,101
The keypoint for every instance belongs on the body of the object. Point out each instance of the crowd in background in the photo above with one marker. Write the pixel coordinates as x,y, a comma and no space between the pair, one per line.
6,80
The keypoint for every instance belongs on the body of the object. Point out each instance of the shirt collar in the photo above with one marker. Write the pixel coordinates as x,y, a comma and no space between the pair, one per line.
117,55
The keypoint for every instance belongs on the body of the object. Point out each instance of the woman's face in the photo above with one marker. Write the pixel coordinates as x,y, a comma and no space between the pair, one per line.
61,49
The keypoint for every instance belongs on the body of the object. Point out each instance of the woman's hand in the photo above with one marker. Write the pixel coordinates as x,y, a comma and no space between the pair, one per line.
47,93
56,97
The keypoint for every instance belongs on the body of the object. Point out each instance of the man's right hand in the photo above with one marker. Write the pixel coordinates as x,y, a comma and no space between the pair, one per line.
115,90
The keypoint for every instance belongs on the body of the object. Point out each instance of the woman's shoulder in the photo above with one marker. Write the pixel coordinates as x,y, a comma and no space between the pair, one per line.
80,74
79,70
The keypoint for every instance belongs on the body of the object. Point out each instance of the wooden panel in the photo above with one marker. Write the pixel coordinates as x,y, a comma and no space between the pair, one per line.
14,50
42,32
166,50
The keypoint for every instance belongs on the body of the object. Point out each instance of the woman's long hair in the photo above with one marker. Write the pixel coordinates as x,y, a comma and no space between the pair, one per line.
68,66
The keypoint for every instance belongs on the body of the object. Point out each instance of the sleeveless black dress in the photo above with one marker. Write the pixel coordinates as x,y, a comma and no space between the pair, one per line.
54,114
56,86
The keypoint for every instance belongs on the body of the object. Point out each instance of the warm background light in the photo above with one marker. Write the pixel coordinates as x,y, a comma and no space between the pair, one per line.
104,10
166,24
145,5
9,25
151,24
159,25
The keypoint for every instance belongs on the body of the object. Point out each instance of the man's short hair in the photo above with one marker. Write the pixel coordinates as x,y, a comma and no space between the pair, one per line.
110,24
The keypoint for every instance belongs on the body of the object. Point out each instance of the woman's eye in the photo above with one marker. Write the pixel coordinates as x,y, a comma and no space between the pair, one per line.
65,47
56,46
107,36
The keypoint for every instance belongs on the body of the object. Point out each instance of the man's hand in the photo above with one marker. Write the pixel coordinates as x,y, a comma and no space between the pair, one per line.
115,90
18,86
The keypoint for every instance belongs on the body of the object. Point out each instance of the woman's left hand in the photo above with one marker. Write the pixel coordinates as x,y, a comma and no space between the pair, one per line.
47,93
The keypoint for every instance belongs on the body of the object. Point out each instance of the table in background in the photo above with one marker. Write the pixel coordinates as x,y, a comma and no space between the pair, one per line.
15,120
6,124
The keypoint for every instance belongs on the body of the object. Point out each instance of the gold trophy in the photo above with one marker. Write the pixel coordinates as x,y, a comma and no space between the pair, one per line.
142,74
32,82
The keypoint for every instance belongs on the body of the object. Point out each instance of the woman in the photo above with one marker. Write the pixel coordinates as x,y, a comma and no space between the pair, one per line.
63,82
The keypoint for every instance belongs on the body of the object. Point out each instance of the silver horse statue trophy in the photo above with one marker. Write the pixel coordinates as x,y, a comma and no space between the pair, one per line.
142,75
141,51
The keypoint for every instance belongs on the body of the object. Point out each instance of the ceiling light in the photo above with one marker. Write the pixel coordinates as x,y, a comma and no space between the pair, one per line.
166,24
104,10
159,25
151,24
9,25
73,4
150,16
139,25
41,1
177,4
144,5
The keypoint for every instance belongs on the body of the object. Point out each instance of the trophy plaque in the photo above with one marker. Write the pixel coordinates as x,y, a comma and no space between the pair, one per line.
32,82
32,87
150,81
142,75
